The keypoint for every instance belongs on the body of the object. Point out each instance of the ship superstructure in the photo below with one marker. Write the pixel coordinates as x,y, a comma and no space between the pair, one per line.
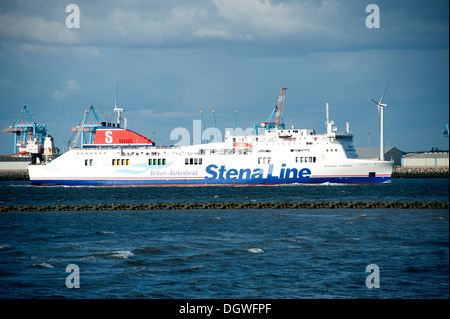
271,155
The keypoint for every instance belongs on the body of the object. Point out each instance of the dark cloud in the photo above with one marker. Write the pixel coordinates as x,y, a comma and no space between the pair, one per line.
175,58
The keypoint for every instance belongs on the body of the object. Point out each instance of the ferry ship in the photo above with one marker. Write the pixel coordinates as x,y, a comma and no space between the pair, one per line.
271,155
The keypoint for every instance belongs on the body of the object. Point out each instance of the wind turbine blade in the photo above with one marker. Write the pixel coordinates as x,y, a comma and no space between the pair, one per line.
374,101
382,97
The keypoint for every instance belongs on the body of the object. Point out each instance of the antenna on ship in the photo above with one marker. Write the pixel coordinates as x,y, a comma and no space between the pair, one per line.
328,122
234,122
201,127
381,107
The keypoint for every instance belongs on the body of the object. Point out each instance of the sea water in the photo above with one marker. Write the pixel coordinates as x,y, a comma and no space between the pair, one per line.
243,253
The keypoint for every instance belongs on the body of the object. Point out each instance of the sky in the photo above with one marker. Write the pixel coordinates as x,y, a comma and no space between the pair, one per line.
173,59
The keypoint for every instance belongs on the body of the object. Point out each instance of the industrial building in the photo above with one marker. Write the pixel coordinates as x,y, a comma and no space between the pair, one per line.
373,153
425,159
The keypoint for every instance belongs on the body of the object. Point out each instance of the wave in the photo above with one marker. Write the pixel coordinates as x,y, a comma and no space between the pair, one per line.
42,265
191,268
255,250
119,254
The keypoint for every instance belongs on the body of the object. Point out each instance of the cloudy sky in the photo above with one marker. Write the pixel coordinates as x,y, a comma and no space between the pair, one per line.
172,59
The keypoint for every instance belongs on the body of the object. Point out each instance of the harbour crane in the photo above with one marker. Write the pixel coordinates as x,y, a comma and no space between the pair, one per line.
25,127
277,112
86,127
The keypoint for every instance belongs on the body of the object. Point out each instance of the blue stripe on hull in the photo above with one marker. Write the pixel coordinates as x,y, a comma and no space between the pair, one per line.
199,182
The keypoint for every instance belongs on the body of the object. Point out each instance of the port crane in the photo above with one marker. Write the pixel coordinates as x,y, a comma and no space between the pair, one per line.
25,128
277,112
85,131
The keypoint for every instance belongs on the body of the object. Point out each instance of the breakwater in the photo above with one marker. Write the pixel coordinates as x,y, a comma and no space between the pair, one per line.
420,172
14,175
232,205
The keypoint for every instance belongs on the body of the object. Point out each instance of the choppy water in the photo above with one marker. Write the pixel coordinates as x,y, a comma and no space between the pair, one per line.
251,253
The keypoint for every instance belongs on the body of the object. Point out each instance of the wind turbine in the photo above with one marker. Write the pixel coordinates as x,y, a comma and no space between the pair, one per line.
381,107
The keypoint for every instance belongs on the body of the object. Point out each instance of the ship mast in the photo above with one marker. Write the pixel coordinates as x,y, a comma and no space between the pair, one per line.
328,122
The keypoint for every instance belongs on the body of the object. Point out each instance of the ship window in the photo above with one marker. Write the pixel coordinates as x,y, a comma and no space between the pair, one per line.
195,161
113,162
191,161
371,174
128,161
123,161
164,161
88,162
149,161
186,161
199,161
